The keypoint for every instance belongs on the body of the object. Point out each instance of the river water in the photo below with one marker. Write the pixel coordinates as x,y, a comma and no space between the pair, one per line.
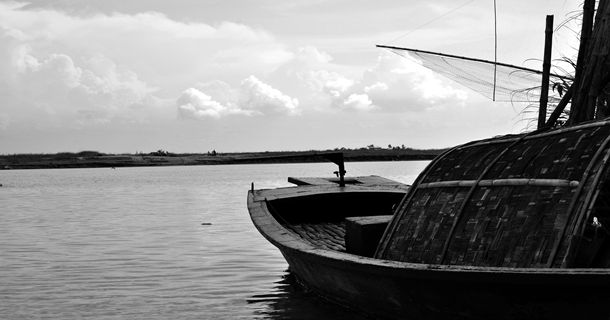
152,243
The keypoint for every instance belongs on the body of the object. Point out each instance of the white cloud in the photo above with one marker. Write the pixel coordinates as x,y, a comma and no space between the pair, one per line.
57,24
217,99
360,102
396,84
257,95
393,84
92,91
159,23
219,91
377,86
332,83
58,69
198,105
167,53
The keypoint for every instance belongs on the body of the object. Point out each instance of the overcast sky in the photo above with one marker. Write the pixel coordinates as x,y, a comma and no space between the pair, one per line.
196,75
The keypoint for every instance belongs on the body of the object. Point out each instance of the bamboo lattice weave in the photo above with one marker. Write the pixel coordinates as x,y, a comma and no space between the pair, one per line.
470,210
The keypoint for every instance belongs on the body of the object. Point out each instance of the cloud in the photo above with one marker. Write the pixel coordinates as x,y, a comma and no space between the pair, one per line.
218,99
198,105
94,90
97,76
329,82
257,95
359,101
44,86
58,68
396,84
392,84
56,24
376,87
166,53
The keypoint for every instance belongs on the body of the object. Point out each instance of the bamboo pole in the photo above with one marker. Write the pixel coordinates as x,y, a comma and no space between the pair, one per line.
560,107
592,61
501,183
546,70
585,35
599,54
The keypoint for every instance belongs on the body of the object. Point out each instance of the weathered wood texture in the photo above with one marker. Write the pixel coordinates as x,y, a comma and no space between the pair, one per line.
537,216
327,235
364,181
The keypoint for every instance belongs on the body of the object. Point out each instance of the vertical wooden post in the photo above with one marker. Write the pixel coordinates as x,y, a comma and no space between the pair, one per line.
588,14
546,70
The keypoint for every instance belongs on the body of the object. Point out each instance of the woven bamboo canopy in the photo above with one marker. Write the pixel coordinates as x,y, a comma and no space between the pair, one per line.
533,200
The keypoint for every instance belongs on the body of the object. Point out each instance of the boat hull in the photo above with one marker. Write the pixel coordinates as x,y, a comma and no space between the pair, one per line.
412,293
391,289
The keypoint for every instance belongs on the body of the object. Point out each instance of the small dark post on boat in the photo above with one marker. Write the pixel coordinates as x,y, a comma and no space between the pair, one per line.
510,227
337,158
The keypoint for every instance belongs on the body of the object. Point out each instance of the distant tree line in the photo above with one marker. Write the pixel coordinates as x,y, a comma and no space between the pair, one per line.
89,154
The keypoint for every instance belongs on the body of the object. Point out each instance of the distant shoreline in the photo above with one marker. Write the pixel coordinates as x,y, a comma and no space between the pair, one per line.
92,159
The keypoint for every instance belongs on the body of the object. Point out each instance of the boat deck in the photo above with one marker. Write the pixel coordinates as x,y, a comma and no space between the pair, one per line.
326,235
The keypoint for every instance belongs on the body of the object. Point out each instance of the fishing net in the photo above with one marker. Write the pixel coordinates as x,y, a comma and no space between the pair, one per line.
496,81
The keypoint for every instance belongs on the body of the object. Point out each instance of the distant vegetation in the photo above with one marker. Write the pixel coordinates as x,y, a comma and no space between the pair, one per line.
87,159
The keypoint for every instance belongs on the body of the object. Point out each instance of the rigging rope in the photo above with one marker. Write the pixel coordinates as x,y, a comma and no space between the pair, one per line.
511,84
432,20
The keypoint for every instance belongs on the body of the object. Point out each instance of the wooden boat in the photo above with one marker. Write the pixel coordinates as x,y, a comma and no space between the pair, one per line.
306,223
514,246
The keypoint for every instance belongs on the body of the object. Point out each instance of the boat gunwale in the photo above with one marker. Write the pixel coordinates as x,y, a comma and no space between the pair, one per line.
287,240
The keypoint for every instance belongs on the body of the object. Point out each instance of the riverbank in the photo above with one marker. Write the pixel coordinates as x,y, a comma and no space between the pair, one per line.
92,159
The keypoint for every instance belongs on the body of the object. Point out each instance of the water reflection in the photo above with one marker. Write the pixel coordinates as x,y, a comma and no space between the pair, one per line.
289,300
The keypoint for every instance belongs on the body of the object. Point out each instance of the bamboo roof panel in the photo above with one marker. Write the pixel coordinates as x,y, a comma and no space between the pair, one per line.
512,201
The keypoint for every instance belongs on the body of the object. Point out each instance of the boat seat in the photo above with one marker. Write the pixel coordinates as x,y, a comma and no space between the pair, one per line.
362,234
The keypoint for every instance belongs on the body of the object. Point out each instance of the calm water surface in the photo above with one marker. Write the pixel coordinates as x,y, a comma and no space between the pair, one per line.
152,243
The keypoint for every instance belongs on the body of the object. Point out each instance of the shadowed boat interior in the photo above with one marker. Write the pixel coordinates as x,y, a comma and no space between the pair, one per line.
324,235
320,219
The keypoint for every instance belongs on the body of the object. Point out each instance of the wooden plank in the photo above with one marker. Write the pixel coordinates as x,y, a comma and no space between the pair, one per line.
362,181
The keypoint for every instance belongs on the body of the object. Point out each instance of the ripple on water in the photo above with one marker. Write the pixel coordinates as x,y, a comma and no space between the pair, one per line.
130,244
